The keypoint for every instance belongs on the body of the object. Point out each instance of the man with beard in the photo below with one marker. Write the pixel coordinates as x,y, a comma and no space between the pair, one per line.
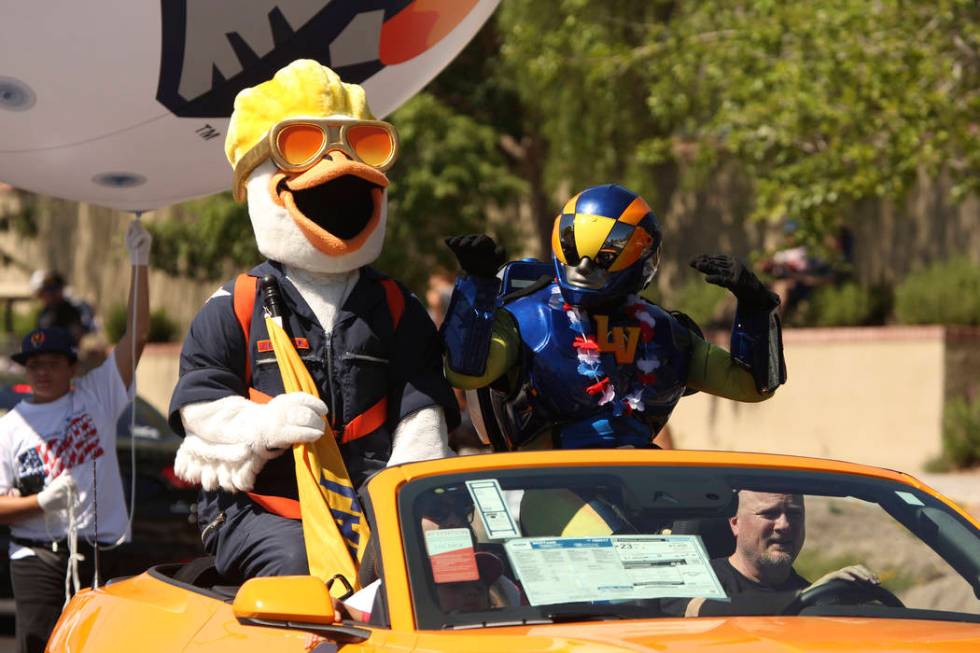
769,531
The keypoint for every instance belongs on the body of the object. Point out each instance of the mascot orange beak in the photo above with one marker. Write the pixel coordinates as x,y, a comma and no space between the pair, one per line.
337,203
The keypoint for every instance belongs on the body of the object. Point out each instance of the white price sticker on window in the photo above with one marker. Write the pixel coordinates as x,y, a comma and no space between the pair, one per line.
489,502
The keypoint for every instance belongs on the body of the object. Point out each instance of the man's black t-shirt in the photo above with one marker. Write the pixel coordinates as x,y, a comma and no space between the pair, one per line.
735,583
747,596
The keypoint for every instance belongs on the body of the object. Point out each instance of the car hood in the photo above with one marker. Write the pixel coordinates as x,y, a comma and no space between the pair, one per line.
738,634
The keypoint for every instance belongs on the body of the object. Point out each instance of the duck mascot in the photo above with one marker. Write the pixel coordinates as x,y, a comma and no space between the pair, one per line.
311,162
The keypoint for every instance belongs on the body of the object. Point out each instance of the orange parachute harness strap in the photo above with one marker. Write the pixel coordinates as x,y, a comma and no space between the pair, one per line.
334,528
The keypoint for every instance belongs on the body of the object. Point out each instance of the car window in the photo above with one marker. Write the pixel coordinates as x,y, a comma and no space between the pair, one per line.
562,545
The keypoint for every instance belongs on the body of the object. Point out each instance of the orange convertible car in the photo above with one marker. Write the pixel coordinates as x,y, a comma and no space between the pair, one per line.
593,550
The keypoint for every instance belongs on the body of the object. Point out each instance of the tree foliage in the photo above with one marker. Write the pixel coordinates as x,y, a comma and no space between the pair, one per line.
449,174
205,240
819,105
822,103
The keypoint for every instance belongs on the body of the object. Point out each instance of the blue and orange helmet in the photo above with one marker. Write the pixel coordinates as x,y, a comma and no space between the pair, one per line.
605,245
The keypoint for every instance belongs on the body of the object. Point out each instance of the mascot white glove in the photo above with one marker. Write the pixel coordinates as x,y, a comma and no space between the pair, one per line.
57,494
229,440
138,241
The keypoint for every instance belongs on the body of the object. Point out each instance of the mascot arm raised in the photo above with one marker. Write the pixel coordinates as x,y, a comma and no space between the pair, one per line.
713,370
469,323
756,343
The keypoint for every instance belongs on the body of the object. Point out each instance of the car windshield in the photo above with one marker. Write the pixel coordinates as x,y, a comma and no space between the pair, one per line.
546,545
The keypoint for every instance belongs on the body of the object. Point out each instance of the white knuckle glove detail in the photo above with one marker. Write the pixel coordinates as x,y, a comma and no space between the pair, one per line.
230,467
56,495
292,418
138,241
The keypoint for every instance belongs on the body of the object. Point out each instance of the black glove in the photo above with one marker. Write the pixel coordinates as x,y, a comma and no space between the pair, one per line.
731,273
477,254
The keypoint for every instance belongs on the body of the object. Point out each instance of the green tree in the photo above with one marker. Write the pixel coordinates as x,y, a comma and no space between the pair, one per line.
822,104
819,105
206,240
449,174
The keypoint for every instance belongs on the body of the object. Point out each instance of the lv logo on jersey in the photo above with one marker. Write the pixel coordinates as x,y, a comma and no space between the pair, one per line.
620,341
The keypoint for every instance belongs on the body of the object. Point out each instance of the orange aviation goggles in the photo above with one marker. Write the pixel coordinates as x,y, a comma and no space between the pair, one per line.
297,144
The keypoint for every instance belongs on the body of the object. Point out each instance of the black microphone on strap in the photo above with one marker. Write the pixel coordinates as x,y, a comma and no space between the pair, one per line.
272,304
272,297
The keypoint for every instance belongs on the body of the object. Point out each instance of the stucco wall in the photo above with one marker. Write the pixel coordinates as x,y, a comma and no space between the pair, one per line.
157,374
871,395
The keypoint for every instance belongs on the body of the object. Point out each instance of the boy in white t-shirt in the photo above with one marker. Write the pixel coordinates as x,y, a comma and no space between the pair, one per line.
59,448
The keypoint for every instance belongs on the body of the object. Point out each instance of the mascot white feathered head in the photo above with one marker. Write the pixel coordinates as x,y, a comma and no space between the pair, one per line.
311,159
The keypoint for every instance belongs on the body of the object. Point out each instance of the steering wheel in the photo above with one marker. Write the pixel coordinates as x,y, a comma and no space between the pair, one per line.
847,592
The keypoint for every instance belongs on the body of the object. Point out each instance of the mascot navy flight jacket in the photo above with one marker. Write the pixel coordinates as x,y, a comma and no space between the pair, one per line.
374,369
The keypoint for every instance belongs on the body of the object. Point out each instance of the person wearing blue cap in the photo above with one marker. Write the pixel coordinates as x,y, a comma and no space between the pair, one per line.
58,458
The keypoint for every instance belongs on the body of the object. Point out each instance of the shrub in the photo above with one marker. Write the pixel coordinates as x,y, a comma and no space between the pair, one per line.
845,305
162,327
946,292
961,431
25,322
115,322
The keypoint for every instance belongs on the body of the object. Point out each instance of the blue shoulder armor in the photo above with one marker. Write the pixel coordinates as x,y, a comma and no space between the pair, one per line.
469,320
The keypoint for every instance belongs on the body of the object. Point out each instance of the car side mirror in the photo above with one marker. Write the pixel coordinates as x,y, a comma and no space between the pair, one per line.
278,599
301,602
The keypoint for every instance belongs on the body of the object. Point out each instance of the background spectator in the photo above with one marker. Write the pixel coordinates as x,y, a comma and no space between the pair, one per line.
58,309
798,269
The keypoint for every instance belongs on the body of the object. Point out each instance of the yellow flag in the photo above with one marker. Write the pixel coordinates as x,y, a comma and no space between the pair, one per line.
334,528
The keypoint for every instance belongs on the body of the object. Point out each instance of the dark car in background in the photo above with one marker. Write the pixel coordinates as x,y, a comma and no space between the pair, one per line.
165,521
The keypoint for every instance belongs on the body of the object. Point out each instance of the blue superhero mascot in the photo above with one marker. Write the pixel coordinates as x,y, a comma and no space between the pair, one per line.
565,354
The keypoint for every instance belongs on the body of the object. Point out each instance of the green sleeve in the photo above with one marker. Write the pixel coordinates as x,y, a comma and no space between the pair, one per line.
713,370
505,347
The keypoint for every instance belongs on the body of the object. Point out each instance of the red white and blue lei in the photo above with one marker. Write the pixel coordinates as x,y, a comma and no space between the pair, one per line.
590,361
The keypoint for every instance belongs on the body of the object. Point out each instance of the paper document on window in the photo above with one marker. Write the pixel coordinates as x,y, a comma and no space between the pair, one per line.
619,567
492,508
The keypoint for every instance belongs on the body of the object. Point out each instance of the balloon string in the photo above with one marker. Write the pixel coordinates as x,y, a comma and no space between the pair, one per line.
72,584
132,448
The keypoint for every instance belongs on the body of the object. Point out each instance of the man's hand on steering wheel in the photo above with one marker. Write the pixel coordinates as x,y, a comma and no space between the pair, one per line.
852,585
857,573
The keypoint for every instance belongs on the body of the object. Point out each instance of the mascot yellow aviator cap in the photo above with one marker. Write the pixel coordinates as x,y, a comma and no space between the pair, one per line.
303,88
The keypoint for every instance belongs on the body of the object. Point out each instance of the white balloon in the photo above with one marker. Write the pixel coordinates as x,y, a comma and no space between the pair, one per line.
125,103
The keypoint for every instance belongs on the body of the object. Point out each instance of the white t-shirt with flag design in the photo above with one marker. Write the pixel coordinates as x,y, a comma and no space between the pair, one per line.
69,435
